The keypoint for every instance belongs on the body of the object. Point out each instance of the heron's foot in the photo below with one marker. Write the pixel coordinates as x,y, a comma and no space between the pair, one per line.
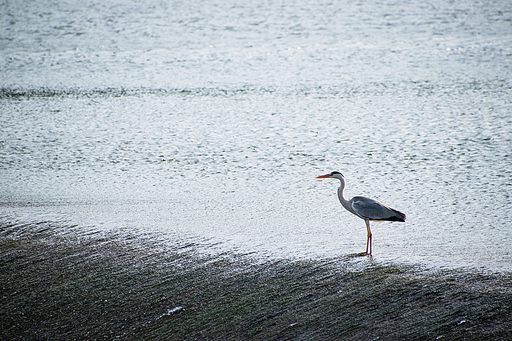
354,255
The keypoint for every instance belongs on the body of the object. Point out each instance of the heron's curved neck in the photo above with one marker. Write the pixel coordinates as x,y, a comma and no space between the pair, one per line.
344,202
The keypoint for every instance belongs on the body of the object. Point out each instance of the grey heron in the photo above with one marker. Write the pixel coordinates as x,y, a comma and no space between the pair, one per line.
365,208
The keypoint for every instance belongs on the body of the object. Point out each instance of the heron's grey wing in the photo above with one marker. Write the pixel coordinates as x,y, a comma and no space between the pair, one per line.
368,208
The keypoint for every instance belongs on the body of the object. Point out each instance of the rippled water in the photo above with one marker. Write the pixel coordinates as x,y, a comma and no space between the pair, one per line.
208,123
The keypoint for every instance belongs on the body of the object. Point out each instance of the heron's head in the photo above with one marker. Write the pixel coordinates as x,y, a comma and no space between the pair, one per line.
332,175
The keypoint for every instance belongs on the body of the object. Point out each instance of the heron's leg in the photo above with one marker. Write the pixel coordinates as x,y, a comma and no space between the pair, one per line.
369,239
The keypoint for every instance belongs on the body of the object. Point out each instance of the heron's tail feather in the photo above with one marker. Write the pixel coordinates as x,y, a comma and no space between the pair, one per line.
399,216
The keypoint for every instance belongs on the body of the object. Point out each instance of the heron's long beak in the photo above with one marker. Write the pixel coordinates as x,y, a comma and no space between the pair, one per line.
323,176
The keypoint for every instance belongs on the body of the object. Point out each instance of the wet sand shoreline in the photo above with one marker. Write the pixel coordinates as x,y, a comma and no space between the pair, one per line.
110,287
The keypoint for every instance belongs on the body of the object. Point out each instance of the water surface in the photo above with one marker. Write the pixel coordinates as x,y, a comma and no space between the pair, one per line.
209,122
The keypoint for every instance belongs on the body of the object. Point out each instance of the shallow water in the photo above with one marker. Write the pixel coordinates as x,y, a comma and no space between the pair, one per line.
208,123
